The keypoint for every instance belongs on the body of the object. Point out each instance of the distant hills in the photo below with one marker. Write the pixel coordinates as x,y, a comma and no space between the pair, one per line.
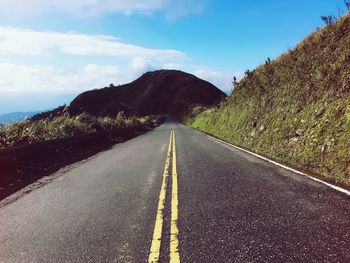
29,102
295,109
158,92
16,116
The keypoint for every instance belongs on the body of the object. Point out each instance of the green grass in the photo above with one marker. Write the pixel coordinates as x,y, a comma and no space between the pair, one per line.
64,126
296,109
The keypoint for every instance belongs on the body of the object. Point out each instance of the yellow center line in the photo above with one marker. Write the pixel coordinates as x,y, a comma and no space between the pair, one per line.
174,229
157,233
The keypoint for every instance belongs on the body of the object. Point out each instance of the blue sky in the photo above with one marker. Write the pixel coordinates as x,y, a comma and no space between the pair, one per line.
52,50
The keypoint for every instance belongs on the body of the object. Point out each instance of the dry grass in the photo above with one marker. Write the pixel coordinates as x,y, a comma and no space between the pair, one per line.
64,126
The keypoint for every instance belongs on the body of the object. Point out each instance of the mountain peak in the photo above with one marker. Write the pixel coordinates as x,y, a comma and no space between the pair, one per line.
157,92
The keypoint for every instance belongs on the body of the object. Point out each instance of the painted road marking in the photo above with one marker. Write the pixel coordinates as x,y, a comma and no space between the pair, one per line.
163,147
157,233
174,229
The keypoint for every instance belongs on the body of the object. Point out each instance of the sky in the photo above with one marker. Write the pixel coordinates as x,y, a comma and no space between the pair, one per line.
50,51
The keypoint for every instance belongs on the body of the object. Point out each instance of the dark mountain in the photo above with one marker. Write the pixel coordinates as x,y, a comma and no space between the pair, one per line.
159,92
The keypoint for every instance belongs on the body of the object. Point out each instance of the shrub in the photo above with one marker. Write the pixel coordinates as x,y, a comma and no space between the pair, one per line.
328,20
29,131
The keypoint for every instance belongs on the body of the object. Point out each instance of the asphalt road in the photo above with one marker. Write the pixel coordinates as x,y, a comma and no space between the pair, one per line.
232,207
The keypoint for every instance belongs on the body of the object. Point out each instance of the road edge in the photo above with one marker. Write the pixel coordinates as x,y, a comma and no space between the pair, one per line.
332,186
43,181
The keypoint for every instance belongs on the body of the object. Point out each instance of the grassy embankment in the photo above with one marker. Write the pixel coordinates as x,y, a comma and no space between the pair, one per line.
295,109
64,126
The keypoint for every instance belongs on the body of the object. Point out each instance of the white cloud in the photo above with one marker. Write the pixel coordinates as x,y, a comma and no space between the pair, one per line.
28,42
60,62
221,79
172,8
139,65
49,80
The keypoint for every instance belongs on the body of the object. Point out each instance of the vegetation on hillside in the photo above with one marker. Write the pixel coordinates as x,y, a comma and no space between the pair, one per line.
295,109
64,126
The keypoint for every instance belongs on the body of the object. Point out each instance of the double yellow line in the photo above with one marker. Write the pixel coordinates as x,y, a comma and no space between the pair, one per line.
158,227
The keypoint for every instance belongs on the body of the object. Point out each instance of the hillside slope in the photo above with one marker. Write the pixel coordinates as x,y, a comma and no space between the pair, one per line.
295,109
159,92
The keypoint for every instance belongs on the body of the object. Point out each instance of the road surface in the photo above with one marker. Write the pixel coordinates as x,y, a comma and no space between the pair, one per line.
220,205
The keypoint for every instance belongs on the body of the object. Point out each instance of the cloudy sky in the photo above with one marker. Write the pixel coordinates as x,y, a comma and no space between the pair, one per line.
52,50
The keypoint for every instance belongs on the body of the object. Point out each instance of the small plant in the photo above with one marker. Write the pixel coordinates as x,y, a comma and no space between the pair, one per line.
234,82
328,20
347,5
